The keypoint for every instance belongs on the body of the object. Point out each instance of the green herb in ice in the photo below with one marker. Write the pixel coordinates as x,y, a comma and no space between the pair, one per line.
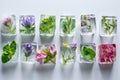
8,52
109,26
68,25
48,25
88,53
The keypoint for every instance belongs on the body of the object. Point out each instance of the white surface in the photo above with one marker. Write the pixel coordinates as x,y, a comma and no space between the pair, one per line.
60,7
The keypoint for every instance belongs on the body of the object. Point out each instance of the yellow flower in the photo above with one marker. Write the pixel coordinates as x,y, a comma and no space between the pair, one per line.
66,44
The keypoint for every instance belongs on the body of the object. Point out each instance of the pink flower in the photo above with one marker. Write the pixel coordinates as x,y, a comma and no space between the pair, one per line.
8,22
40,56
52,49
107,52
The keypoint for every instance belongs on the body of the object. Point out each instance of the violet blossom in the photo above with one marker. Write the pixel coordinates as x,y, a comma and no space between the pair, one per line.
74,45
52,49
28,50
27,21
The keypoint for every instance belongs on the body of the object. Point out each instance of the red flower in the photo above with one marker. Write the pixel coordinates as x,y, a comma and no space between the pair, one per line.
107,52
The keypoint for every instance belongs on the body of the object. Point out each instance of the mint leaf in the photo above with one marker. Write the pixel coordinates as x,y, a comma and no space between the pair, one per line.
5,58
6,48
8,52
88,53
13,47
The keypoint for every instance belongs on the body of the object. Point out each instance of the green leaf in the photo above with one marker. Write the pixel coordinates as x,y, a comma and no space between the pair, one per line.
88,53
32,29
12,30
107,28
69,21
50,58
13,47
6,47
114,24
45,50
73,25
22,30
5,58
8,52
64,24
104,19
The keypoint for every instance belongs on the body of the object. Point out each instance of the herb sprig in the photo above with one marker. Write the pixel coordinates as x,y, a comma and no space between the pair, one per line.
68,25
109,26
48,25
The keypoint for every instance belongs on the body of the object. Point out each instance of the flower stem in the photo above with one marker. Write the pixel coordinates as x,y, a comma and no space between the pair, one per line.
26,58
68,58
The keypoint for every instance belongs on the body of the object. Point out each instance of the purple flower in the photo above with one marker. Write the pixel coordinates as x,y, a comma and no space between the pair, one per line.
27,49
74,45
27,21
52,49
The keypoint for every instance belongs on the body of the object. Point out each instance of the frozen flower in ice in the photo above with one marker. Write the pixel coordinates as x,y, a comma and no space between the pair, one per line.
107,52
28,24
28,50
40,56
52,49
27,21
8,22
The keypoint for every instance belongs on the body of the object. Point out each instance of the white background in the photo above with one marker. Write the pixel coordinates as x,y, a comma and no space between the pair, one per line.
61,7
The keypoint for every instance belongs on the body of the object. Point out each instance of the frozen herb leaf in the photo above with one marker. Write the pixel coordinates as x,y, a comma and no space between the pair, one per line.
13,47
5,58
88,53
8,51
